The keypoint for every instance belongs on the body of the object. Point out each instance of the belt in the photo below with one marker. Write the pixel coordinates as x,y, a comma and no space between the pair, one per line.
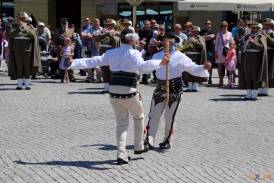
175,84
171,81
252,50
25,38
192,53
270,48
122,96
122,78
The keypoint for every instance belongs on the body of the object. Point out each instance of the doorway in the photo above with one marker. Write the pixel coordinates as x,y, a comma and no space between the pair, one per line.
70,9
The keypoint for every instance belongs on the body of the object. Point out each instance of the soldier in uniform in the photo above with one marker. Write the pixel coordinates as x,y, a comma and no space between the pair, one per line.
58,40
254,63
268,31
125,63
24,56
109,40
197,52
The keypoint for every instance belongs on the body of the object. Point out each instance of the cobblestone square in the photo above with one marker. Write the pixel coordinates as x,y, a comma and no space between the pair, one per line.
66,133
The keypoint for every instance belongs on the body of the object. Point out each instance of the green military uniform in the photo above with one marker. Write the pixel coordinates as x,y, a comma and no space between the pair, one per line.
254,65
58,39
196,50
108,41
270,52
269,34
24,56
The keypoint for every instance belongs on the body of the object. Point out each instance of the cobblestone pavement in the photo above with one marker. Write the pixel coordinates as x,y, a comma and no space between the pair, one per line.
66,133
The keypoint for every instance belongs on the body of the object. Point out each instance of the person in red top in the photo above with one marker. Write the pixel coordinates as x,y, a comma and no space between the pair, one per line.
230,63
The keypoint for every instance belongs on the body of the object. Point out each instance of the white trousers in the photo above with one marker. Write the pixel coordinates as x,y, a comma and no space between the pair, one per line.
122,108
156,111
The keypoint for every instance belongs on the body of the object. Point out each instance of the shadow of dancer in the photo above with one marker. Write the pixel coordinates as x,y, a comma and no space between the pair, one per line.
96,165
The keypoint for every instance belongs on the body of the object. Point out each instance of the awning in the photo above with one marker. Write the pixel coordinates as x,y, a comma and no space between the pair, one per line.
226,5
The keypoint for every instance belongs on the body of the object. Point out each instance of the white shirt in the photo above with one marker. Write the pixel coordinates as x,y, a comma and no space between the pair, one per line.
123,58
179,63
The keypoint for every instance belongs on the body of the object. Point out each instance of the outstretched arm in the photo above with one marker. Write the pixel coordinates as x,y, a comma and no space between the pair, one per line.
146,66
85,63
191,67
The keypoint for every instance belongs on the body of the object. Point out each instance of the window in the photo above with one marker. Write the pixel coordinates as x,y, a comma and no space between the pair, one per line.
161,12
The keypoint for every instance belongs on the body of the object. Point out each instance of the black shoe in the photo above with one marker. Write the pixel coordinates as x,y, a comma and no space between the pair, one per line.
28,88
262,95
210,82
164,145
104,92
194,90
253,99
142,151
123,162
18,88
245,98
188,90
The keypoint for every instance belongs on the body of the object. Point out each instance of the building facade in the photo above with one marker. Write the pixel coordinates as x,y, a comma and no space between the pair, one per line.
164,11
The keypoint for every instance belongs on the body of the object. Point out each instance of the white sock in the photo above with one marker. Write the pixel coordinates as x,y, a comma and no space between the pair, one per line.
265,91
20,83
196,86
27,82
254,93
190,86
261,91
151,140
106,86
248,93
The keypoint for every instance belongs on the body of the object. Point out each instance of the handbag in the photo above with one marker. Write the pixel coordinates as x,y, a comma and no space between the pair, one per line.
224,49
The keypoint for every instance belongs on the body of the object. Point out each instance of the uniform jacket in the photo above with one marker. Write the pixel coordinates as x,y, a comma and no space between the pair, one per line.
36,61
263,72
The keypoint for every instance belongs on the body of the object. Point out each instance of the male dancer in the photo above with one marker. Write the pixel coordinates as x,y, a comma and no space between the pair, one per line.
179,63
125,63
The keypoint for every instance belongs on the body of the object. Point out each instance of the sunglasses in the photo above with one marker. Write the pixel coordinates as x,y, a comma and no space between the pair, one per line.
207,23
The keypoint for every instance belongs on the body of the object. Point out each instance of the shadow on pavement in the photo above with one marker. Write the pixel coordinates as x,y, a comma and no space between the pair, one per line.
107,147
37,81
88,92
228,99
6,89
96,165
232,95
9,84
91,89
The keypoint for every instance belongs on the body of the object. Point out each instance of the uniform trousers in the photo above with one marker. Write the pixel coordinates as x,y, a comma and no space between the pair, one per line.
23,63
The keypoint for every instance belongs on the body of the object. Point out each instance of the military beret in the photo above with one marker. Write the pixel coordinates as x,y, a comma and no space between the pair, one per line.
63,20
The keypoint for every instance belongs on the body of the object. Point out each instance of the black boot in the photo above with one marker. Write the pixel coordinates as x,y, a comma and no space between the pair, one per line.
123,162
164,145
142,151
210,81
